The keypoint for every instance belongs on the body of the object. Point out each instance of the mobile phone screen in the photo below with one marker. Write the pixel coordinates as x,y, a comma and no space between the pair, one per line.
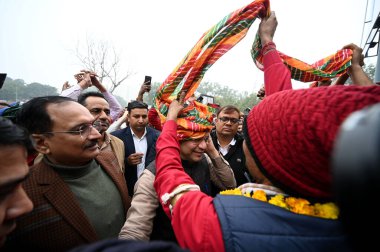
148,80
2,79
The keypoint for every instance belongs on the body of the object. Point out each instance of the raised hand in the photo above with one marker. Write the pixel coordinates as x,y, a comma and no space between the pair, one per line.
357,54
267,28
176,106
145,88
211,151
66,85
84,80
261,93
355,71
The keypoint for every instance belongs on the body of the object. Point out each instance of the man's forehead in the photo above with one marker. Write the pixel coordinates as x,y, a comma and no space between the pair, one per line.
96,105
69,112
95,100
231,113
139,111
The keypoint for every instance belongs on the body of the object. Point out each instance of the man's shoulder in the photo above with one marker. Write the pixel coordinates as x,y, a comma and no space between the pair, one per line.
115,138
121,132
152,131
40,175
239,137
39,168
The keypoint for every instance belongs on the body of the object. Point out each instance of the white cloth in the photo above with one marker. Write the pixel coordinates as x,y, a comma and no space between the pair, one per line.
141,145
224,150
269,190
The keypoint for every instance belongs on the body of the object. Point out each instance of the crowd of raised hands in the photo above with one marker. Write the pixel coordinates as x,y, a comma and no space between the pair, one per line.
85,79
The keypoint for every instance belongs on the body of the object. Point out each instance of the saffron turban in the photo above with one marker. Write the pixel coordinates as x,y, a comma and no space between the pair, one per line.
195,121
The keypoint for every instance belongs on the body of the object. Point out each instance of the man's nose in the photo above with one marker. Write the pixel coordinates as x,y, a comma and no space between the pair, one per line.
103,115
94,134
203,144
141,120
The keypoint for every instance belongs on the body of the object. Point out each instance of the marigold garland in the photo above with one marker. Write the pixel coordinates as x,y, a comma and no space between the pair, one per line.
296,205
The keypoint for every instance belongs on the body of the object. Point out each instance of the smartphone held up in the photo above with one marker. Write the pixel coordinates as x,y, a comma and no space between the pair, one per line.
148,80
147,83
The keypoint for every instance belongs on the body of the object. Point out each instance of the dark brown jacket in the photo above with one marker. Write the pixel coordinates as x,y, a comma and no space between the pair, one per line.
57,222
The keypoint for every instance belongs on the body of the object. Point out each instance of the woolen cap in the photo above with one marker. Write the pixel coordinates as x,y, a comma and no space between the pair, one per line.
290,134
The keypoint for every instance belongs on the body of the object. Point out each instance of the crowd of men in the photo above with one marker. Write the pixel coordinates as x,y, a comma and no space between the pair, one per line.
101,175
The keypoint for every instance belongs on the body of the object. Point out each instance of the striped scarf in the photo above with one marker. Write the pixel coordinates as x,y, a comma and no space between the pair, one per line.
327,68
215,43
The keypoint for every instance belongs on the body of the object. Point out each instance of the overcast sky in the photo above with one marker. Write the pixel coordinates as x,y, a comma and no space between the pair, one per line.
38,37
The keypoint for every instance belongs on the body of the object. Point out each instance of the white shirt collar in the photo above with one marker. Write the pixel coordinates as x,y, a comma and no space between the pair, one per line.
134,135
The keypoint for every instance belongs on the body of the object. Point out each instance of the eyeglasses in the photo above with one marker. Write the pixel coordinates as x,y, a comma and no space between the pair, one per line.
229,119
83,131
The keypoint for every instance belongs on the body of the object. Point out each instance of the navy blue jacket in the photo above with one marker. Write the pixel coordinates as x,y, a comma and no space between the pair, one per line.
252,225
131,170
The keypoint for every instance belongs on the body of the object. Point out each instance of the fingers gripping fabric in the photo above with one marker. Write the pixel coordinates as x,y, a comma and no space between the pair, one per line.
210,47
327,68
218,40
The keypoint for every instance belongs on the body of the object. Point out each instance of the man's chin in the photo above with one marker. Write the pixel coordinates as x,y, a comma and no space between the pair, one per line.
228,133
196,157
93,151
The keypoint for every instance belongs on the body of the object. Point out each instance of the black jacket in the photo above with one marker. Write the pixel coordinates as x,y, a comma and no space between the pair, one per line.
235,158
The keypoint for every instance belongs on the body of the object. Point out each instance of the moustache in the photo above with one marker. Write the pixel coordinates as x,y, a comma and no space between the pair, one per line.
90,144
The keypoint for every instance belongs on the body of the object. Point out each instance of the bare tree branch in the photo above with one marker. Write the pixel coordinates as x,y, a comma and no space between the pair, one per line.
99,60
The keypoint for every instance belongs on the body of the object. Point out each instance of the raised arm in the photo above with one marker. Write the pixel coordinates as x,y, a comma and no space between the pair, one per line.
145,88
220,171
276,75
116,125
356,72
191,208
84,81
170,173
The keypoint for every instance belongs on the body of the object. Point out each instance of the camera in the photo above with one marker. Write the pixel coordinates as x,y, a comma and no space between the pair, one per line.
356,175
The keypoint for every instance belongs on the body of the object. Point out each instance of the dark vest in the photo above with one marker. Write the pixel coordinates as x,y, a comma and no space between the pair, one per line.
252,225
235,157
200,173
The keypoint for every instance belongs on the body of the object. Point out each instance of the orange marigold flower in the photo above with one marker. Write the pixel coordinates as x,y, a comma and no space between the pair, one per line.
295,205
259,195
328,210
278,200
235,191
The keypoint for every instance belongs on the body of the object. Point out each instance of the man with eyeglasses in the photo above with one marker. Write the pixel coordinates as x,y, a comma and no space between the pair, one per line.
99,107
146,219
229,142
79,197
139,141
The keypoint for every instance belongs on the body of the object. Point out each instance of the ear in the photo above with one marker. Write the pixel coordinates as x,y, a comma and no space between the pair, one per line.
41,143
